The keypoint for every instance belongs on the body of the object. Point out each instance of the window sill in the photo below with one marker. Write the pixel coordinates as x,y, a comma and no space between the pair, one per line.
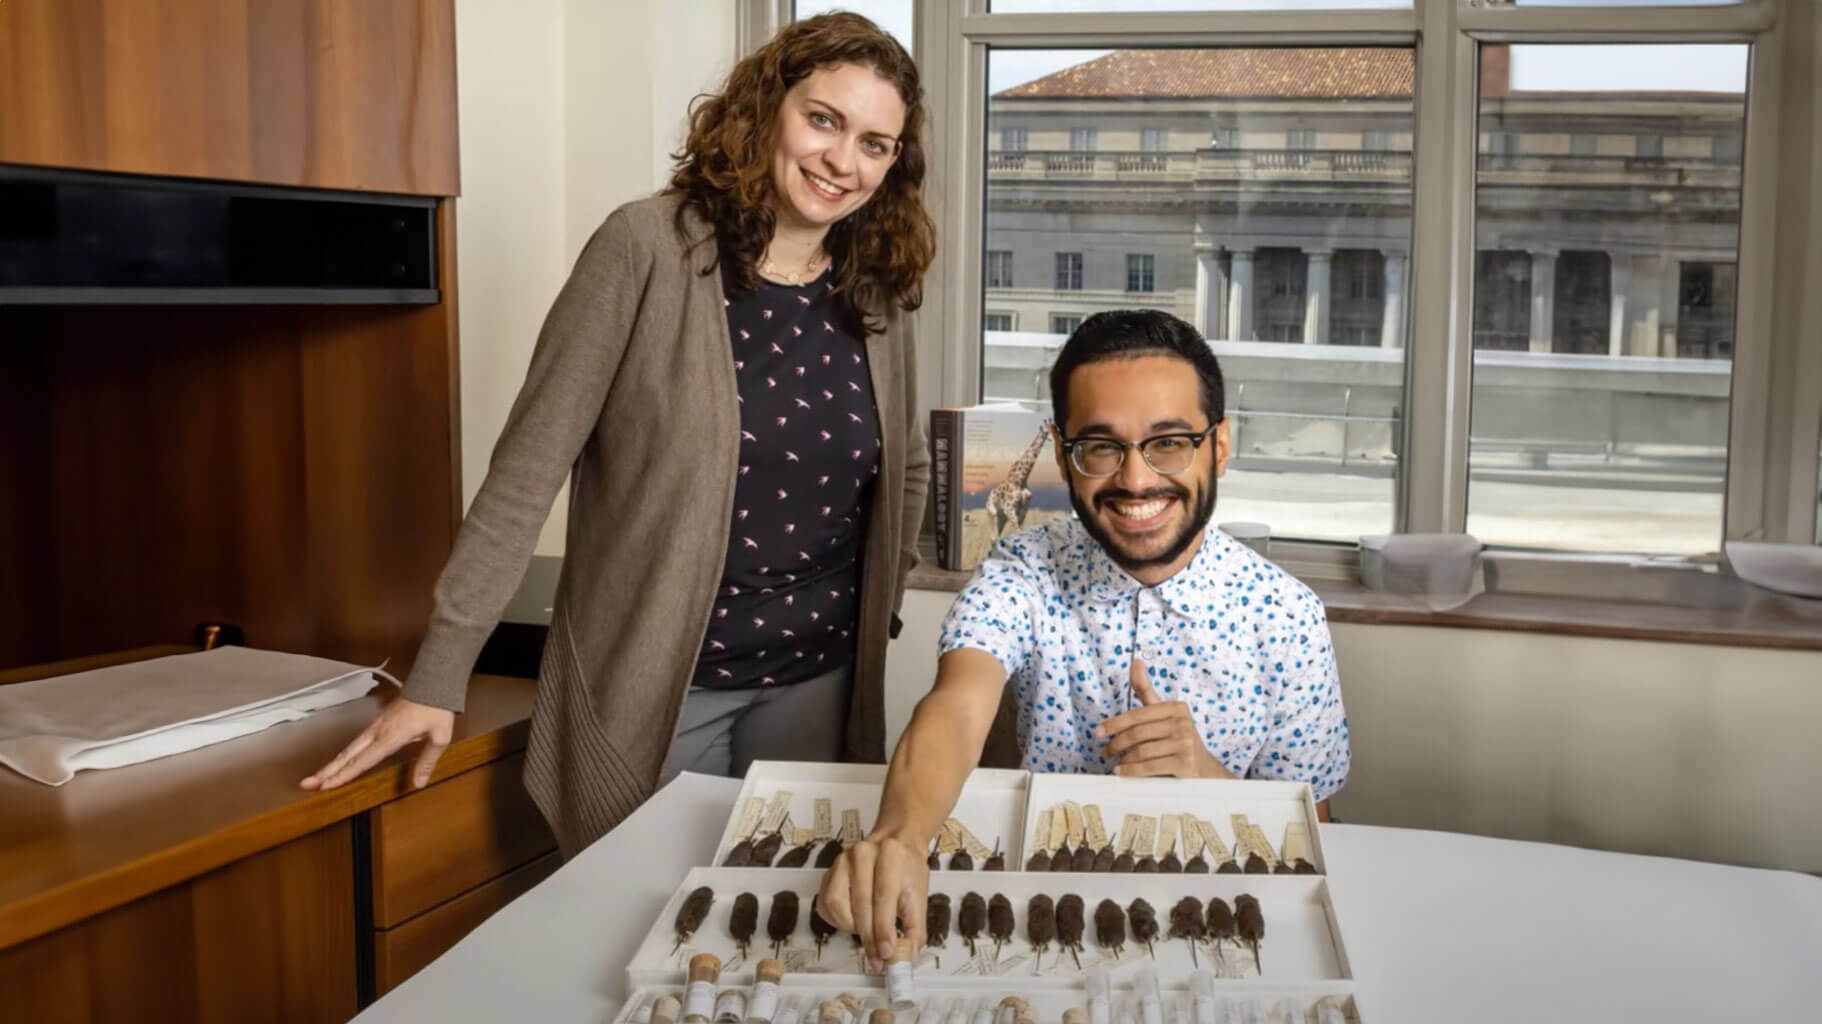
1698,604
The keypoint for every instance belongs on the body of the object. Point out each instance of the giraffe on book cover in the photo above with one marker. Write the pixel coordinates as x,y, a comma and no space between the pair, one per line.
1008,501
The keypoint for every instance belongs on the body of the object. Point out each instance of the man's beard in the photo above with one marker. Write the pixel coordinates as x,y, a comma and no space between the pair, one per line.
1200,513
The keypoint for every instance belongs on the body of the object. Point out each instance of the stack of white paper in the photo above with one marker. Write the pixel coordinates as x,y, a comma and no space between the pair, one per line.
50,729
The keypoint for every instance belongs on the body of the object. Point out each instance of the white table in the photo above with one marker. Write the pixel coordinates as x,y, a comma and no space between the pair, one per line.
1440,927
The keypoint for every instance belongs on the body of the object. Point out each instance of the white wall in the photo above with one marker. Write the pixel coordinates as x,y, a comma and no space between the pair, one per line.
568,109
1675,749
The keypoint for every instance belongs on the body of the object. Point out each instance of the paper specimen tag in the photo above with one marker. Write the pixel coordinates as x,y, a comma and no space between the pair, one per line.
1243,837
1262,846
1297,842
1097,831
1147,843
1192,837
1041,834
947,839
1167,833
825,818
1072,819
801,836
1059,828
1217,850
749,818
976,849
850,827
1129,833
775,811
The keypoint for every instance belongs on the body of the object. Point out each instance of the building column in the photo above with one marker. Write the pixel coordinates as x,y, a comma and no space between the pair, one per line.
1543,299
1669,306
1391,325
1211,294
1642,301
1316,298
1620,271
1240,297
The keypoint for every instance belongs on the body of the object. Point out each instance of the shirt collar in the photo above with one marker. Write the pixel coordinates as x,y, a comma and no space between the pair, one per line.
1110,584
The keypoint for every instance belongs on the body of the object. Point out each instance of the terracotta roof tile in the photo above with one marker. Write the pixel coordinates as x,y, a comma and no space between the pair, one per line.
1325,72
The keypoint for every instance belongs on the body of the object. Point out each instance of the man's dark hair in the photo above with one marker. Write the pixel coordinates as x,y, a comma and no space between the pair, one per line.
1129,334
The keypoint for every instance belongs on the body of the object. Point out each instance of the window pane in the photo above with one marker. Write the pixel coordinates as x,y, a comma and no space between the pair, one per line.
997,321
1260,194
897,17
1604,291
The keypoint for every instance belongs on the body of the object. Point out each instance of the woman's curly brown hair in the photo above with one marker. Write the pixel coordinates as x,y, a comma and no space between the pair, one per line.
724,172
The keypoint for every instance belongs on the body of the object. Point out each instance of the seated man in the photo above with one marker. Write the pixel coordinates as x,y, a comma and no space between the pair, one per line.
1137,640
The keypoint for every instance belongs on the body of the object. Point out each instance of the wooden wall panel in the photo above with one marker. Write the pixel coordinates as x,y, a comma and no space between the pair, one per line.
284,469
345,94
268,938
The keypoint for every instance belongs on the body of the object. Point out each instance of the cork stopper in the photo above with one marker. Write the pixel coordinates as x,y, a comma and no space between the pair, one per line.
901,953
830,1012
880,1016
666,1009
769,969
705,967
1074,1016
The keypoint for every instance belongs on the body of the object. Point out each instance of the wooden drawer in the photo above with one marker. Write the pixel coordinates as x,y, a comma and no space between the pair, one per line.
437,844
399,953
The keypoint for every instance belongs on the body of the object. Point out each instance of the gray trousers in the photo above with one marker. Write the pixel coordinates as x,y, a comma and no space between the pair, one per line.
721,732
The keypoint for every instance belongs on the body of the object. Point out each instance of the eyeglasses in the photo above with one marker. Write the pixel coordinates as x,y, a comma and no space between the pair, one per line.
1168,454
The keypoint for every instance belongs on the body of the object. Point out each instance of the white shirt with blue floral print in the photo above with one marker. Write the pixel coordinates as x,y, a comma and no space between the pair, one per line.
1238,639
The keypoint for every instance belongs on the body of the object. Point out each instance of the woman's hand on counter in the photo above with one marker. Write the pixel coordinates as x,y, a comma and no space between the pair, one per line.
398,725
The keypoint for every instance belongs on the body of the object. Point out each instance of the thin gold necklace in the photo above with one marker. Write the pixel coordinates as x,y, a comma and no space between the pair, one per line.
809,272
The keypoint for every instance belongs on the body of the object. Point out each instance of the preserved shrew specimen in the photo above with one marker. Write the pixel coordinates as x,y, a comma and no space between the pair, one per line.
690,916
1110,927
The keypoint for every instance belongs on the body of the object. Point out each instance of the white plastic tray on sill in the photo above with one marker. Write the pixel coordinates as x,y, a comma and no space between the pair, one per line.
1269,805
991,805
1302,941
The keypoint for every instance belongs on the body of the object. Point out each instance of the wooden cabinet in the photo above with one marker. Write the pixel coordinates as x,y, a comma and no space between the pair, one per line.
400,952
343,94
430,847
267,938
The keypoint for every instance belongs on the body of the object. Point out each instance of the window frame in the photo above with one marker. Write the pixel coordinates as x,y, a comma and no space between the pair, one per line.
1143,267
1077,273
1775,428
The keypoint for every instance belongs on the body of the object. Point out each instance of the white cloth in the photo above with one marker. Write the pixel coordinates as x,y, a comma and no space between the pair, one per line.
50,729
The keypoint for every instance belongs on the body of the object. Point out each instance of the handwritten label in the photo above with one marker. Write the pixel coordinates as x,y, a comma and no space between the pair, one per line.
825,818
1297,842
1217,850
1072,819
1058,828
1129,833
1147,843
1041,834
749,818
776,811
1097,831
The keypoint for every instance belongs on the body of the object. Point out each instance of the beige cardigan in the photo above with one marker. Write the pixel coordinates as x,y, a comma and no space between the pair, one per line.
631,393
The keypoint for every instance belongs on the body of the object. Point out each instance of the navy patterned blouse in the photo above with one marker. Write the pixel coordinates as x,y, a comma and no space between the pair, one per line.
809,443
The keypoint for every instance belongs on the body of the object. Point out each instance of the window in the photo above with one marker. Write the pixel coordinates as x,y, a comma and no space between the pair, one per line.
1141,270
999,268
1603,451
1154,140
1069,272
1082,140
1357,311
996,321
1064,323
1704,317
1012,140
1310,264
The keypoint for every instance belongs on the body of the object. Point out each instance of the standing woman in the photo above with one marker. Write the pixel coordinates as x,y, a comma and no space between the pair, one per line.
728,379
